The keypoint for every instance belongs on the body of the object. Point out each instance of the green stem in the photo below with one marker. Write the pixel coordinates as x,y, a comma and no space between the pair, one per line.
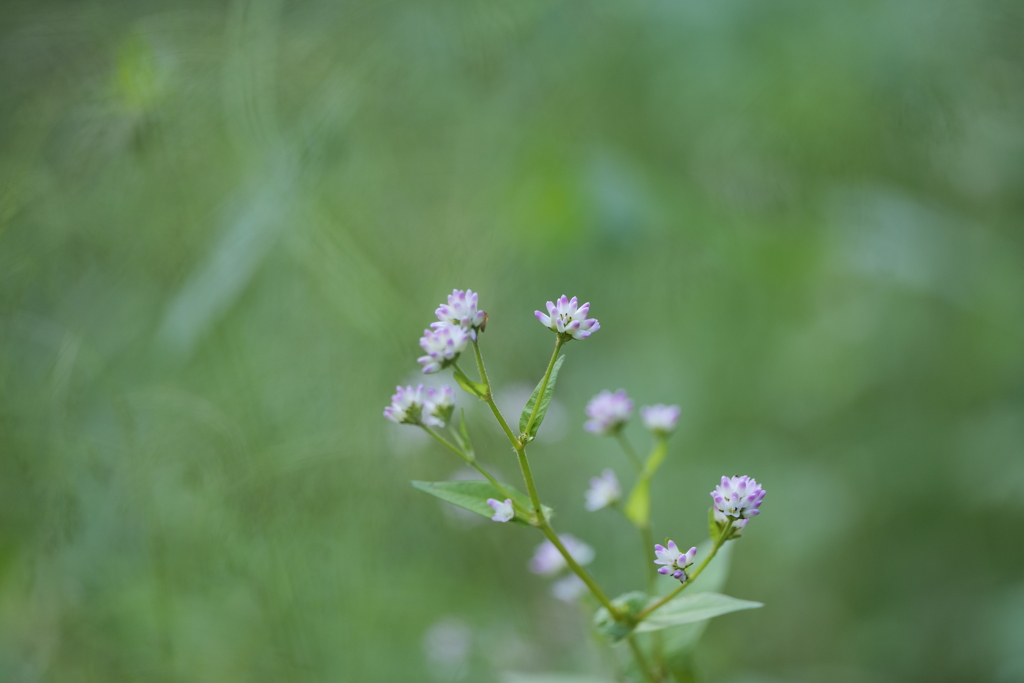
584,575
531,487
641,663
719,542
544,384
627,448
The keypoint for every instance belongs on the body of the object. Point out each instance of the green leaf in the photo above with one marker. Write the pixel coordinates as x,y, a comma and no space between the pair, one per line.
473,495
545,401
688,609
468,385
512,677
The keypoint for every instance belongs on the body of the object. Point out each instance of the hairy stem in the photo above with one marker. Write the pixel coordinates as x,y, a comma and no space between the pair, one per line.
584,575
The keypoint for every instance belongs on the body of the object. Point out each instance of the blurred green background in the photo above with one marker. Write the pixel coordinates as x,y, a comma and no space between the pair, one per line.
223,226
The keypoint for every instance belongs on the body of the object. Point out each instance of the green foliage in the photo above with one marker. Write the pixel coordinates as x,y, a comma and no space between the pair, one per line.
470,386
473,495
545,401
689,608
628,604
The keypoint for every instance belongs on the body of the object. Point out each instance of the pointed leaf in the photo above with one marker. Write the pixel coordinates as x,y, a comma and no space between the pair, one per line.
687,609
473,495
545,401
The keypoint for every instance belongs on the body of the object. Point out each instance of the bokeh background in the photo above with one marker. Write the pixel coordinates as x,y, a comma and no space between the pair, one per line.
223,226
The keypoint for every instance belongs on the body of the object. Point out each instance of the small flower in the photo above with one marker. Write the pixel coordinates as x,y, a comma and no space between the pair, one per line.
547,560
673,561
604,491
438,405
608,412
566,317
503,512
568,589
660,419
461,310
737,499
406,405
443,342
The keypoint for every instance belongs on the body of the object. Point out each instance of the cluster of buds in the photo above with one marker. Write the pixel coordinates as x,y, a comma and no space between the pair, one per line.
568,319
421,406
604,491
457,324
737,499
673,561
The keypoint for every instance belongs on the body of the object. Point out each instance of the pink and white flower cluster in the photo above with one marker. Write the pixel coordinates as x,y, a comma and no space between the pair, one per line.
660,419
737,499
457,324
673,561
608,412
567,317
604,491
419,405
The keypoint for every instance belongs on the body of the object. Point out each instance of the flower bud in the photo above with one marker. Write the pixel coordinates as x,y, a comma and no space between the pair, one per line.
604,491
443,343
461,310
503,511
673,562
737,499
406,405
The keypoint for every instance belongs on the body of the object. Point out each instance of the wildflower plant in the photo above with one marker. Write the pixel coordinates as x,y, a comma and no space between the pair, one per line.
647,622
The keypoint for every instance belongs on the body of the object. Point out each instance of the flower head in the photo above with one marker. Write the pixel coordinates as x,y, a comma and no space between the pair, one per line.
604,491
461,310
608,412
568,318
503,511
443,343
660,419
737,499
547,560
569,588
438,405
406,405
674,562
